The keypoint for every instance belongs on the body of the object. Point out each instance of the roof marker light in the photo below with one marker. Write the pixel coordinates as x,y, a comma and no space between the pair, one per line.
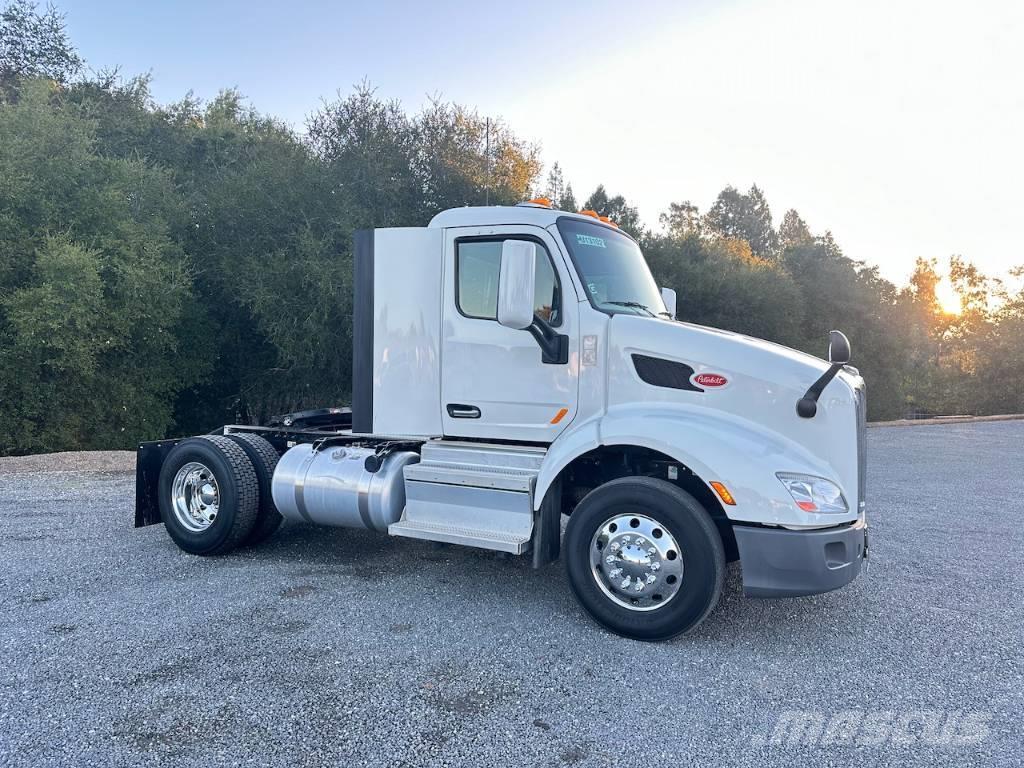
541,201
599,217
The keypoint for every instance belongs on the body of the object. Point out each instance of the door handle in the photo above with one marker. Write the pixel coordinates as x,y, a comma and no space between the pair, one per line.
459,411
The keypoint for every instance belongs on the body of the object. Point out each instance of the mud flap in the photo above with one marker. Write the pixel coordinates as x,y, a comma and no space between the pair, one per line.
149,459
547,527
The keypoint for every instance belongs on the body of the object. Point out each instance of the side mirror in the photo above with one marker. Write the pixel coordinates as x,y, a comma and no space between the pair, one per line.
838,356
669,297
516,281
838,348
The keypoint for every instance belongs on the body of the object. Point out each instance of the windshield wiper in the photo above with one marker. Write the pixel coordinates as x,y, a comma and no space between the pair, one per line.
633,305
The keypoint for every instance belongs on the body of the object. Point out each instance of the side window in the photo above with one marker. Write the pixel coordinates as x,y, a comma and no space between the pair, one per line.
477,266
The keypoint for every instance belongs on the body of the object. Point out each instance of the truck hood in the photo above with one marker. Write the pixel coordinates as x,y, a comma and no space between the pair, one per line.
743,380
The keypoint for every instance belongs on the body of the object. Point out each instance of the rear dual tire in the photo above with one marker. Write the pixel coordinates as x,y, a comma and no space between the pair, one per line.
264,459
214,493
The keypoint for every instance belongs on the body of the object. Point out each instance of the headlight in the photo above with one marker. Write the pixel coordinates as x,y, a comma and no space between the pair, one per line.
814,494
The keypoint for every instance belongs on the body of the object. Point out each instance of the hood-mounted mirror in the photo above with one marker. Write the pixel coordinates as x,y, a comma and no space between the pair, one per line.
838,356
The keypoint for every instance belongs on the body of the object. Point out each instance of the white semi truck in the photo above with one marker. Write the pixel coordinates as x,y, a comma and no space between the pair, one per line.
515,364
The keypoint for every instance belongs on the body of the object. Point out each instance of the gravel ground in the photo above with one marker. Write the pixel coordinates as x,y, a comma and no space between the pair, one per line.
69,461
343,647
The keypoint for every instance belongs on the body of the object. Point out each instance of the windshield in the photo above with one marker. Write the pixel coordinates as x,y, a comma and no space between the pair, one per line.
612,269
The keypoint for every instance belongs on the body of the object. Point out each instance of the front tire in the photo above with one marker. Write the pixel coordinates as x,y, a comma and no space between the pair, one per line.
209,496
644,558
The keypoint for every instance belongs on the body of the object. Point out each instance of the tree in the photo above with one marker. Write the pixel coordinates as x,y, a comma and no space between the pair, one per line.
167,268
682,219
744,216
999,390
34,44
616,208
568,201
554,189
838,292
793,231
93,285
558,191
719,284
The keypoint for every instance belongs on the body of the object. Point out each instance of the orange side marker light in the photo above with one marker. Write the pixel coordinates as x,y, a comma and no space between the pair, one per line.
723,493
560,415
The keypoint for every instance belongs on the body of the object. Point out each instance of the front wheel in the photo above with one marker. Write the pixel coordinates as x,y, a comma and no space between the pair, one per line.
644,558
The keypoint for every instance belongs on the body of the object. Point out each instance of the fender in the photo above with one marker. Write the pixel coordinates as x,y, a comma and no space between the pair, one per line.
714,445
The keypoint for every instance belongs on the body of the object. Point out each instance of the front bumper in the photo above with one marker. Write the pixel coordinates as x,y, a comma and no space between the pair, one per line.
783,563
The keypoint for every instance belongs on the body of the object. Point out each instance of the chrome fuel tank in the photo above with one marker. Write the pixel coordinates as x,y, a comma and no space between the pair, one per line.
332,487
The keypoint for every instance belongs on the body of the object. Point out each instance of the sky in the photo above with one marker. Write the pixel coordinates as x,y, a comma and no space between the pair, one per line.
899,126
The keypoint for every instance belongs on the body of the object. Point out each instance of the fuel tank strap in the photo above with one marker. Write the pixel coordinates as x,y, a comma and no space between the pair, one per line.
363,504
300,487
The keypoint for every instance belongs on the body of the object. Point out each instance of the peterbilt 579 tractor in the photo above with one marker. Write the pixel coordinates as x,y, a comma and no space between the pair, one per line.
514,365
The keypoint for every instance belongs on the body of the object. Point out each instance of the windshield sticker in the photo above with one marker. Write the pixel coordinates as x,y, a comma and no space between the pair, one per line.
597,242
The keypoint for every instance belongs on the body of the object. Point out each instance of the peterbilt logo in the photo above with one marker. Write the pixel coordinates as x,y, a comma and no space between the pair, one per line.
710,380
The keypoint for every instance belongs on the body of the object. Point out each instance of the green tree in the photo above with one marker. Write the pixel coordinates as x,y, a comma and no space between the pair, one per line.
743,216
34,44
682,219
616,208
568,200
793,231
554,187
94,285
719,284
838,292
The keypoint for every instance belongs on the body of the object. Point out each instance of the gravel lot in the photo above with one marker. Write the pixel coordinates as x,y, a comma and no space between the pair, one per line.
343,647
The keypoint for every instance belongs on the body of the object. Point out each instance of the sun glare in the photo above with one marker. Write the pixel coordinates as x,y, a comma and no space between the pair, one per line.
948,298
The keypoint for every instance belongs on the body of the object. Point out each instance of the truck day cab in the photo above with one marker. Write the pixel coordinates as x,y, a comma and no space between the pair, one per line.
513,364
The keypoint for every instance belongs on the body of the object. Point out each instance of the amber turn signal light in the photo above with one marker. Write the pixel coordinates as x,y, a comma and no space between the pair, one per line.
723,493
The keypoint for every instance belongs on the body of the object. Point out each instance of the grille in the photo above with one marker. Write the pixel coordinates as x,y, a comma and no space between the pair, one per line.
861,398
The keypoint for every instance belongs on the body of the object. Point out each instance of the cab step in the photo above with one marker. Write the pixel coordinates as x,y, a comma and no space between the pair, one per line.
475,494
451,534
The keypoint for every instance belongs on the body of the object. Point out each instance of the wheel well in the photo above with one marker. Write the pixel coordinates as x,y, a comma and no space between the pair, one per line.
609,462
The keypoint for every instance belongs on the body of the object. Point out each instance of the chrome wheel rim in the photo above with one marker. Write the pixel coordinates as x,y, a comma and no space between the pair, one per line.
636,562
195,497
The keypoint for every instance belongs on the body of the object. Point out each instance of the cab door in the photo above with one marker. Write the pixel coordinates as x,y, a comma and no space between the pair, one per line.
494,384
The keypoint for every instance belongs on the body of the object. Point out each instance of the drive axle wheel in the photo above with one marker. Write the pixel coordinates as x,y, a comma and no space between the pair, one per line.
264,461
644,558
209,495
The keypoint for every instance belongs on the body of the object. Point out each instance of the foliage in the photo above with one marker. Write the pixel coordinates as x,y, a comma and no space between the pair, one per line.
93,284
34,44
165,269
743,216
616,208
